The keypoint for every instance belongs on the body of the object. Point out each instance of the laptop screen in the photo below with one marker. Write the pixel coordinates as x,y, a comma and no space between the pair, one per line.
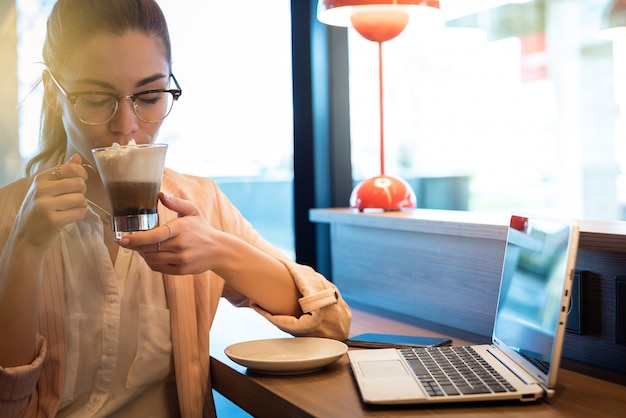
536,265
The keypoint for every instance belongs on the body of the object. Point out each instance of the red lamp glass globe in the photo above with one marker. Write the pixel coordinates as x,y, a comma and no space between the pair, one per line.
383,192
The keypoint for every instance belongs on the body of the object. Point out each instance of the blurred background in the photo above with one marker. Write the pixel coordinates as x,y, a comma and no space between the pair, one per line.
509,105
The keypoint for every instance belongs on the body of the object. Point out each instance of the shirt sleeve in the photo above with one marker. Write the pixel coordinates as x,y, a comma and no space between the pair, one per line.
18,384
326,314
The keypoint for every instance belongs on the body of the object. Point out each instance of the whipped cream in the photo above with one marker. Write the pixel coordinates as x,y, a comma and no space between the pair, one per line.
131,163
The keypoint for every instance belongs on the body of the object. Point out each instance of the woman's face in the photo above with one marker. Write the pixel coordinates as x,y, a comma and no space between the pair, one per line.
124,65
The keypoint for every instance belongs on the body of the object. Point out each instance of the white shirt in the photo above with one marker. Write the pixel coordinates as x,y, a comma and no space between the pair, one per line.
119,342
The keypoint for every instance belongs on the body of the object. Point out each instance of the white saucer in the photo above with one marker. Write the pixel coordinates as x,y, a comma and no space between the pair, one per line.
286,355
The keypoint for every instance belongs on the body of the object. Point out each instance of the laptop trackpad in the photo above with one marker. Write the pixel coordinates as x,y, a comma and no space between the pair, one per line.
383,368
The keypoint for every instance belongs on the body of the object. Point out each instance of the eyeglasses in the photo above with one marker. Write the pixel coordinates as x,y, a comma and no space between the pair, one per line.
99,107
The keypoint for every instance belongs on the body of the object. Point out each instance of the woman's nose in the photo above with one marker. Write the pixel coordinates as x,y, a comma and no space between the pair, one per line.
125,120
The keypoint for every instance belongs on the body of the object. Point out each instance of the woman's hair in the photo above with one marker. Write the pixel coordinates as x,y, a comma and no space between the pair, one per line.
70,25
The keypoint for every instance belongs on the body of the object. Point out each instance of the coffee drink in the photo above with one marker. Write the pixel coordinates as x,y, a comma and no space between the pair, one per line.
133,198
131,175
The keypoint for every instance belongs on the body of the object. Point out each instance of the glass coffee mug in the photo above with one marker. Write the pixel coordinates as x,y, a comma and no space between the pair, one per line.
132,178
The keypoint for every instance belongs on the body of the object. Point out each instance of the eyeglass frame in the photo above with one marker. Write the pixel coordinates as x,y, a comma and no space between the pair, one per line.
74,96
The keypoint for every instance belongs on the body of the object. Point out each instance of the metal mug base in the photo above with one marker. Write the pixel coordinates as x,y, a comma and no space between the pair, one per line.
122,225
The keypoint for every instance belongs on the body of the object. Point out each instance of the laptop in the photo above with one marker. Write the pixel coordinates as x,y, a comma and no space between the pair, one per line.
522,361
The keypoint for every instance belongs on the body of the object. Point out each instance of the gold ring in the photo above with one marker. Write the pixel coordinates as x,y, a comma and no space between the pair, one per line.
159,246
169,228
57,173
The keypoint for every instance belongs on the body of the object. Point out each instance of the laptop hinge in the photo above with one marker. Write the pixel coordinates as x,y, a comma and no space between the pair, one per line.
505,363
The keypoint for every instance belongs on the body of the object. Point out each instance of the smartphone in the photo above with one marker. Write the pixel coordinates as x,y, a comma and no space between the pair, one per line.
370,340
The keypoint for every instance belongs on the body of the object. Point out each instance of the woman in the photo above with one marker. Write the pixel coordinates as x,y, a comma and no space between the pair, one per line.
92,327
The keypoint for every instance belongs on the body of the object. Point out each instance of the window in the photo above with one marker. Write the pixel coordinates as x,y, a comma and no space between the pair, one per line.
234,120
517,102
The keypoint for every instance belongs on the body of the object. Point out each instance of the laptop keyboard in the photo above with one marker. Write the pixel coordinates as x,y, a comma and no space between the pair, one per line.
454,371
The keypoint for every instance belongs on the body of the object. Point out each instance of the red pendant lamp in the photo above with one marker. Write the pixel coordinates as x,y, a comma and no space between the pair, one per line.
377,21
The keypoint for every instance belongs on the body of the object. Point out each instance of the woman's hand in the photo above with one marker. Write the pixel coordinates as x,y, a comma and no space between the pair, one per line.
55,199
182,246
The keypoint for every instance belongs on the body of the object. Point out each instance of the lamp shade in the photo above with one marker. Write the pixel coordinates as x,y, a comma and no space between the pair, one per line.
339,12
614,22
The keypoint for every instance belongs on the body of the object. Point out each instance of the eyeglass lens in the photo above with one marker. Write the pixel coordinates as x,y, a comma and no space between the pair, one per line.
98,108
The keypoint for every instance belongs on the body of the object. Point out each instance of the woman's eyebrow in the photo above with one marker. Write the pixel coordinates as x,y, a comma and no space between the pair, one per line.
89,82
150,79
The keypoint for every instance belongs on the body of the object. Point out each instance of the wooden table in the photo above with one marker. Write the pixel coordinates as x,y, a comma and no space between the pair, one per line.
331,392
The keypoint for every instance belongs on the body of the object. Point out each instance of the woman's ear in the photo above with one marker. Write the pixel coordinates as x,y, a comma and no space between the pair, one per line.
50,93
